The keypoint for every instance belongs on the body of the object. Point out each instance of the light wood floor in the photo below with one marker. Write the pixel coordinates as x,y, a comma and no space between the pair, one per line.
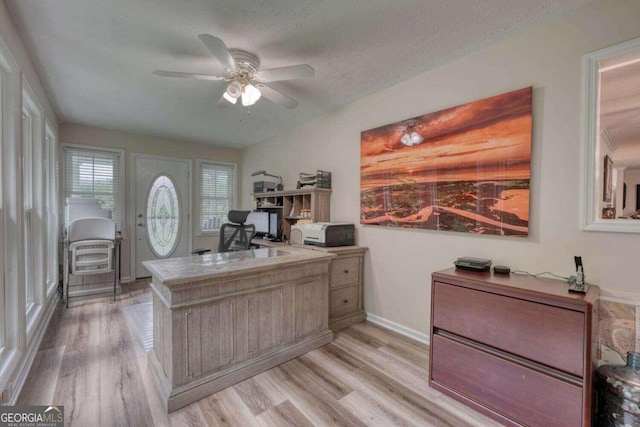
90,362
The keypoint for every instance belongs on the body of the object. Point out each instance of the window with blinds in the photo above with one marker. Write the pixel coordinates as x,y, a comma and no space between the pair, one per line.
95,174
217,185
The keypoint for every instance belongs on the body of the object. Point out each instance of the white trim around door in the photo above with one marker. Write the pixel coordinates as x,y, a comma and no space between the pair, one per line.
132,204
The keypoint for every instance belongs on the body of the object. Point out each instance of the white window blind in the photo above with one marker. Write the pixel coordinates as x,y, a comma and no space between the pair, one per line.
94,174
217,194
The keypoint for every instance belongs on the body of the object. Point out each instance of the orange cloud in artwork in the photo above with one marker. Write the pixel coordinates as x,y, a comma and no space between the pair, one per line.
466,168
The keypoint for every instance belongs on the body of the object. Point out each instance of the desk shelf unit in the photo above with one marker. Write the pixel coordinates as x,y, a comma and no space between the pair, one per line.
290,204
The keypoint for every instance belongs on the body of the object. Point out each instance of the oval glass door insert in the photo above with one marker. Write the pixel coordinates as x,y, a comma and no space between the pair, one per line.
163,216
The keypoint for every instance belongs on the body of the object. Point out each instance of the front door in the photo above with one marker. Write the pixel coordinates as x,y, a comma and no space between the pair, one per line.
162,205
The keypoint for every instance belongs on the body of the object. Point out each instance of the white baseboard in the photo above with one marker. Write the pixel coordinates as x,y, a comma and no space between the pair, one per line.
126,279
23,369
396,327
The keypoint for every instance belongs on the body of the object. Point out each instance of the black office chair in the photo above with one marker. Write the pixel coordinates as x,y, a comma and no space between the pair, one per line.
235,235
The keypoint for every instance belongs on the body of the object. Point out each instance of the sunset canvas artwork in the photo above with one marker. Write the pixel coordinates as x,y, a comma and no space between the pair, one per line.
464,169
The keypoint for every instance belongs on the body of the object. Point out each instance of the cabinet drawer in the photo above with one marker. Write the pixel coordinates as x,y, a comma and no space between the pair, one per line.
546,334
521,393
345,271
344,301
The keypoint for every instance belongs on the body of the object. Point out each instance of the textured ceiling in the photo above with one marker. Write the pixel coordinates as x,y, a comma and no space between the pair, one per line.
95,57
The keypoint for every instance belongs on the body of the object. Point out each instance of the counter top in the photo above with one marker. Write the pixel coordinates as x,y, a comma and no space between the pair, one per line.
173,271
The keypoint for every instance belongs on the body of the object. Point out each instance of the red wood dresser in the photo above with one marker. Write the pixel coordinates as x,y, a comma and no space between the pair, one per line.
516,348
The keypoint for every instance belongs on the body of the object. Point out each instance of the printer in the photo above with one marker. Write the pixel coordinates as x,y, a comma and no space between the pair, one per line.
329,234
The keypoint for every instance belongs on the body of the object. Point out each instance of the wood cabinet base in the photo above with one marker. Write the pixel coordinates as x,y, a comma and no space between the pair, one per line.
212,331
480,376
192,392
348,320
346,283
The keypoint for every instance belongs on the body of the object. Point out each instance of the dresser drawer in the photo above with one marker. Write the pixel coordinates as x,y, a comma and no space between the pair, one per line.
518,392
345,271
542,333
344,301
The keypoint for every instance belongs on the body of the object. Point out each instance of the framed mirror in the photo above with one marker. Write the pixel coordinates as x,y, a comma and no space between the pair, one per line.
611,154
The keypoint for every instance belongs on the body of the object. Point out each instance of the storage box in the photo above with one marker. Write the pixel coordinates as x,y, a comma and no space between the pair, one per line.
321,179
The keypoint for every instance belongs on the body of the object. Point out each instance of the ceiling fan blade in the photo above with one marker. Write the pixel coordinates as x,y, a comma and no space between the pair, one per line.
277,97
301,71
186,75
219,50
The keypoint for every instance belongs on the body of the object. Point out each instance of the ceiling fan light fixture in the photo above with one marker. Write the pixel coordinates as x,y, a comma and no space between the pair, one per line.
250,95
229,98
234,90
241,69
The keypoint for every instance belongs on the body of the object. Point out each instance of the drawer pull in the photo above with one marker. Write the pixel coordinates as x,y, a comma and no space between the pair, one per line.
346,301
346,271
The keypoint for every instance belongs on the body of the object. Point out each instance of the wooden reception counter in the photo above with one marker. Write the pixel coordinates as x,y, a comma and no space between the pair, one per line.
221,318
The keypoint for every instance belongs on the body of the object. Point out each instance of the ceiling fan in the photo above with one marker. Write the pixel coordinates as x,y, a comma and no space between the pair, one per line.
243,75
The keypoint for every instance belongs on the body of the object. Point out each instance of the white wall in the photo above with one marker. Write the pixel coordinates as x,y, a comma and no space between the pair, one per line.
399,262
137,143
14,42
